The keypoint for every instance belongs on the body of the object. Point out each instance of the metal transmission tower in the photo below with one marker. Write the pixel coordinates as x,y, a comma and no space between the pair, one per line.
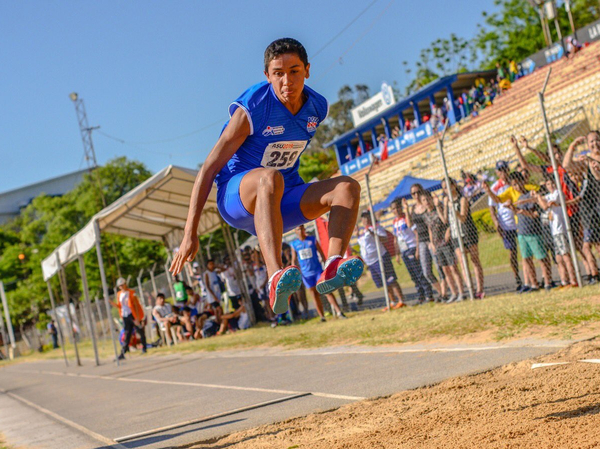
90,154
86,131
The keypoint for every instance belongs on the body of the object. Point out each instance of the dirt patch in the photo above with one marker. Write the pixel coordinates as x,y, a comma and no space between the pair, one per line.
514,406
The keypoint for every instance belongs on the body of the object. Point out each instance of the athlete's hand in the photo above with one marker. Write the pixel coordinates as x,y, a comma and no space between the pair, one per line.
187,251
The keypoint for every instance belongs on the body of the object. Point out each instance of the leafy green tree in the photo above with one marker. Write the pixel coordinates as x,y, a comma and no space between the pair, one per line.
49,221
515,32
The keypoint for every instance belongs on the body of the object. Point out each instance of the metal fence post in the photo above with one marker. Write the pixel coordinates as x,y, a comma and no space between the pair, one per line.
140,289
88,308
169,279
100,317
61,337
11,332
561,195
65,293
154,289
452,212
377,241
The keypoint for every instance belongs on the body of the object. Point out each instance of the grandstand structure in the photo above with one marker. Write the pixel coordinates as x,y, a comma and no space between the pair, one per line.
474,143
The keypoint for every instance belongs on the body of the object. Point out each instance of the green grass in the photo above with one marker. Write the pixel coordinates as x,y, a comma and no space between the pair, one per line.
556,314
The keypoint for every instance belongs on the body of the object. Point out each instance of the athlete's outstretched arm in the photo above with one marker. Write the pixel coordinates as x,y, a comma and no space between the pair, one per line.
231,139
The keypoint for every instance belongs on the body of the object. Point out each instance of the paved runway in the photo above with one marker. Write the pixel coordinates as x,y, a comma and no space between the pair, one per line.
167,401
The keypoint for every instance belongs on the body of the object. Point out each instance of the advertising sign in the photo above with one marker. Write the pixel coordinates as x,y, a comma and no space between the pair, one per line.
374,105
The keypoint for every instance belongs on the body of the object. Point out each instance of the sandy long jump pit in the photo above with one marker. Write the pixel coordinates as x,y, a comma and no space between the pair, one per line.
552,401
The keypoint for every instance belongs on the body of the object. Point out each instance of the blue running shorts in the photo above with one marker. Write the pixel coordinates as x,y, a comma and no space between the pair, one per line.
310,279
235,214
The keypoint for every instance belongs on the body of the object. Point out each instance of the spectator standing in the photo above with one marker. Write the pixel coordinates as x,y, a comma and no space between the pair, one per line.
504,220
465,226
132,314
53,332
406,243
212,283
234,291
261,280
415,219
368,252
558,227
440,244
528,229
587,168
179,287
305,254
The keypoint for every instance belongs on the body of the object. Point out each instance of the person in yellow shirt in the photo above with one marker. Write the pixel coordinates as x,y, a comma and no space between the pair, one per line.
529,229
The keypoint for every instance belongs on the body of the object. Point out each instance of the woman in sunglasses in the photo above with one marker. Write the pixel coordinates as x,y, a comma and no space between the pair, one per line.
415,216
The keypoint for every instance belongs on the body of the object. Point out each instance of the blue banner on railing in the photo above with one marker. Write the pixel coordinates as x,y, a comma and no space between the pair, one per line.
394,145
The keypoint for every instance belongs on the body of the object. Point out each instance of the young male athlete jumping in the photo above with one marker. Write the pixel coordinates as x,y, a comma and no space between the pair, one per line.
255,164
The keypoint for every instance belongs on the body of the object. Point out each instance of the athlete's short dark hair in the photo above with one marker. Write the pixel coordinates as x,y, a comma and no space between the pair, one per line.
283,46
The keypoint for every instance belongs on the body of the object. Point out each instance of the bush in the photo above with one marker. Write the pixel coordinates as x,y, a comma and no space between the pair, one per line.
483,221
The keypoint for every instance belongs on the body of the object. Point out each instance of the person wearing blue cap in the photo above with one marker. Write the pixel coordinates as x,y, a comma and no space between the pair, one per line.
504,219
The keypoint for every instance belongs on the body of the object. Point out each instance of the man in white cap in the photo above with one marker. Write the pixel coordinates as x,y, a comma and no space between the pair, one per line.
132,314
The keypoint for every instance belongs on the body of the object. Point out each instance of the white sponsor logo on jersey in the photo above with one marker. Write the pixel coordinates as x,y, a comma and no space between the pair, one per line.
273,131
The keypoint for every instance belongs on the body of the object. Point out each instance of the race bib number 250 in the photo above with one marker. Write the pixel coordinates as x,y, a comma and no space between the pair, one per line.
282,155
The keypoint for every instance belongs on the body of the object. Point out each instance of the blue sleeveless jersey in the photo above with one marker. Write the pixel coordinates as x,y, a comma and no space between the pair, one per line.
308,258
277,137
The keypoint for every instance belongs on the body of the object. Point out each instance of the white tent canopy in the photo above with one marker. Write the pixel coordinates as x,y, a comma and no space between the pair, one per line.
155,210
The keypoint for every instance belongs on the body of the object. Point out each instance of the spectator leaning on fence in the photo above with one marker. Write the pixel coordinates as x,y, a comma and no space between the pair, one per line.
368,252
415,218
464,225
588,168
132,313
504,219
406,243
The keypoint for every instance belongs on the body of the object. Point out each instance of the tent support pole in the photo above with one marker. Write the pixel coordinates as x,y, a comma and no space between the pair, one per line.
61,337
111,325
65,293
88,307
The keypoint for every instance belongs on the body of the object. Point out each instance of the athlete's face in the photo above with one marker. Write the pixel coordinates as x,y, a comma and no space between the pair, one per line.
287,74
300,232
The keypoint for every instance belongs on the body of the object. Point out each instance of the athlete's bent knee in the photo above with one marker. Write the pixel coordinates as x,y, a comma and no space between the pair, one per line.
271,181
350,187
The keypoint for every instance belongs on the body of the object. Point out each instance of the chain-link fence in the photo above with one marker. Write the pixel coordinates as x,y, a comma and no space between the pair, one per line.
502,212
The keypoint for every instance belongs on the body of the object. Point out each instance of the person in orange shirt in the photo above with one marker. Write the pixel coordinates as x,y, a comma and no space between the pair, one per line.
132,313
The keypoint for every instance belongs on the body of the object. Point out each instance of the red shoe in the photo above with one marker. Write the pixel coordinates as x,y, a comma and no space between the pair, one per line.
281,286
340,272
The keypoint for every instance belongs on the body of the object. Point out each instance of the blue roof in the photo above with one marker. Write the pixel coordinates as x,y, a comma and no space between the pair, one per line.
402,190
405,103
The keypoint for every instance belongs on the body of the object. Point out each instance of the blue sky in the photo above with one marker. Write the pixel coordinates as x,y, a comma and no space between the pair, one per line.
152,71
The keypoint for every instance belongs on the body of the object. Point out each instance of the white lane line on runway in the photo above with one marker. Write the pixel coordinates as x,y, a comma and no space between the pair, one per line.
376,351
195,384
66,421
208,418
